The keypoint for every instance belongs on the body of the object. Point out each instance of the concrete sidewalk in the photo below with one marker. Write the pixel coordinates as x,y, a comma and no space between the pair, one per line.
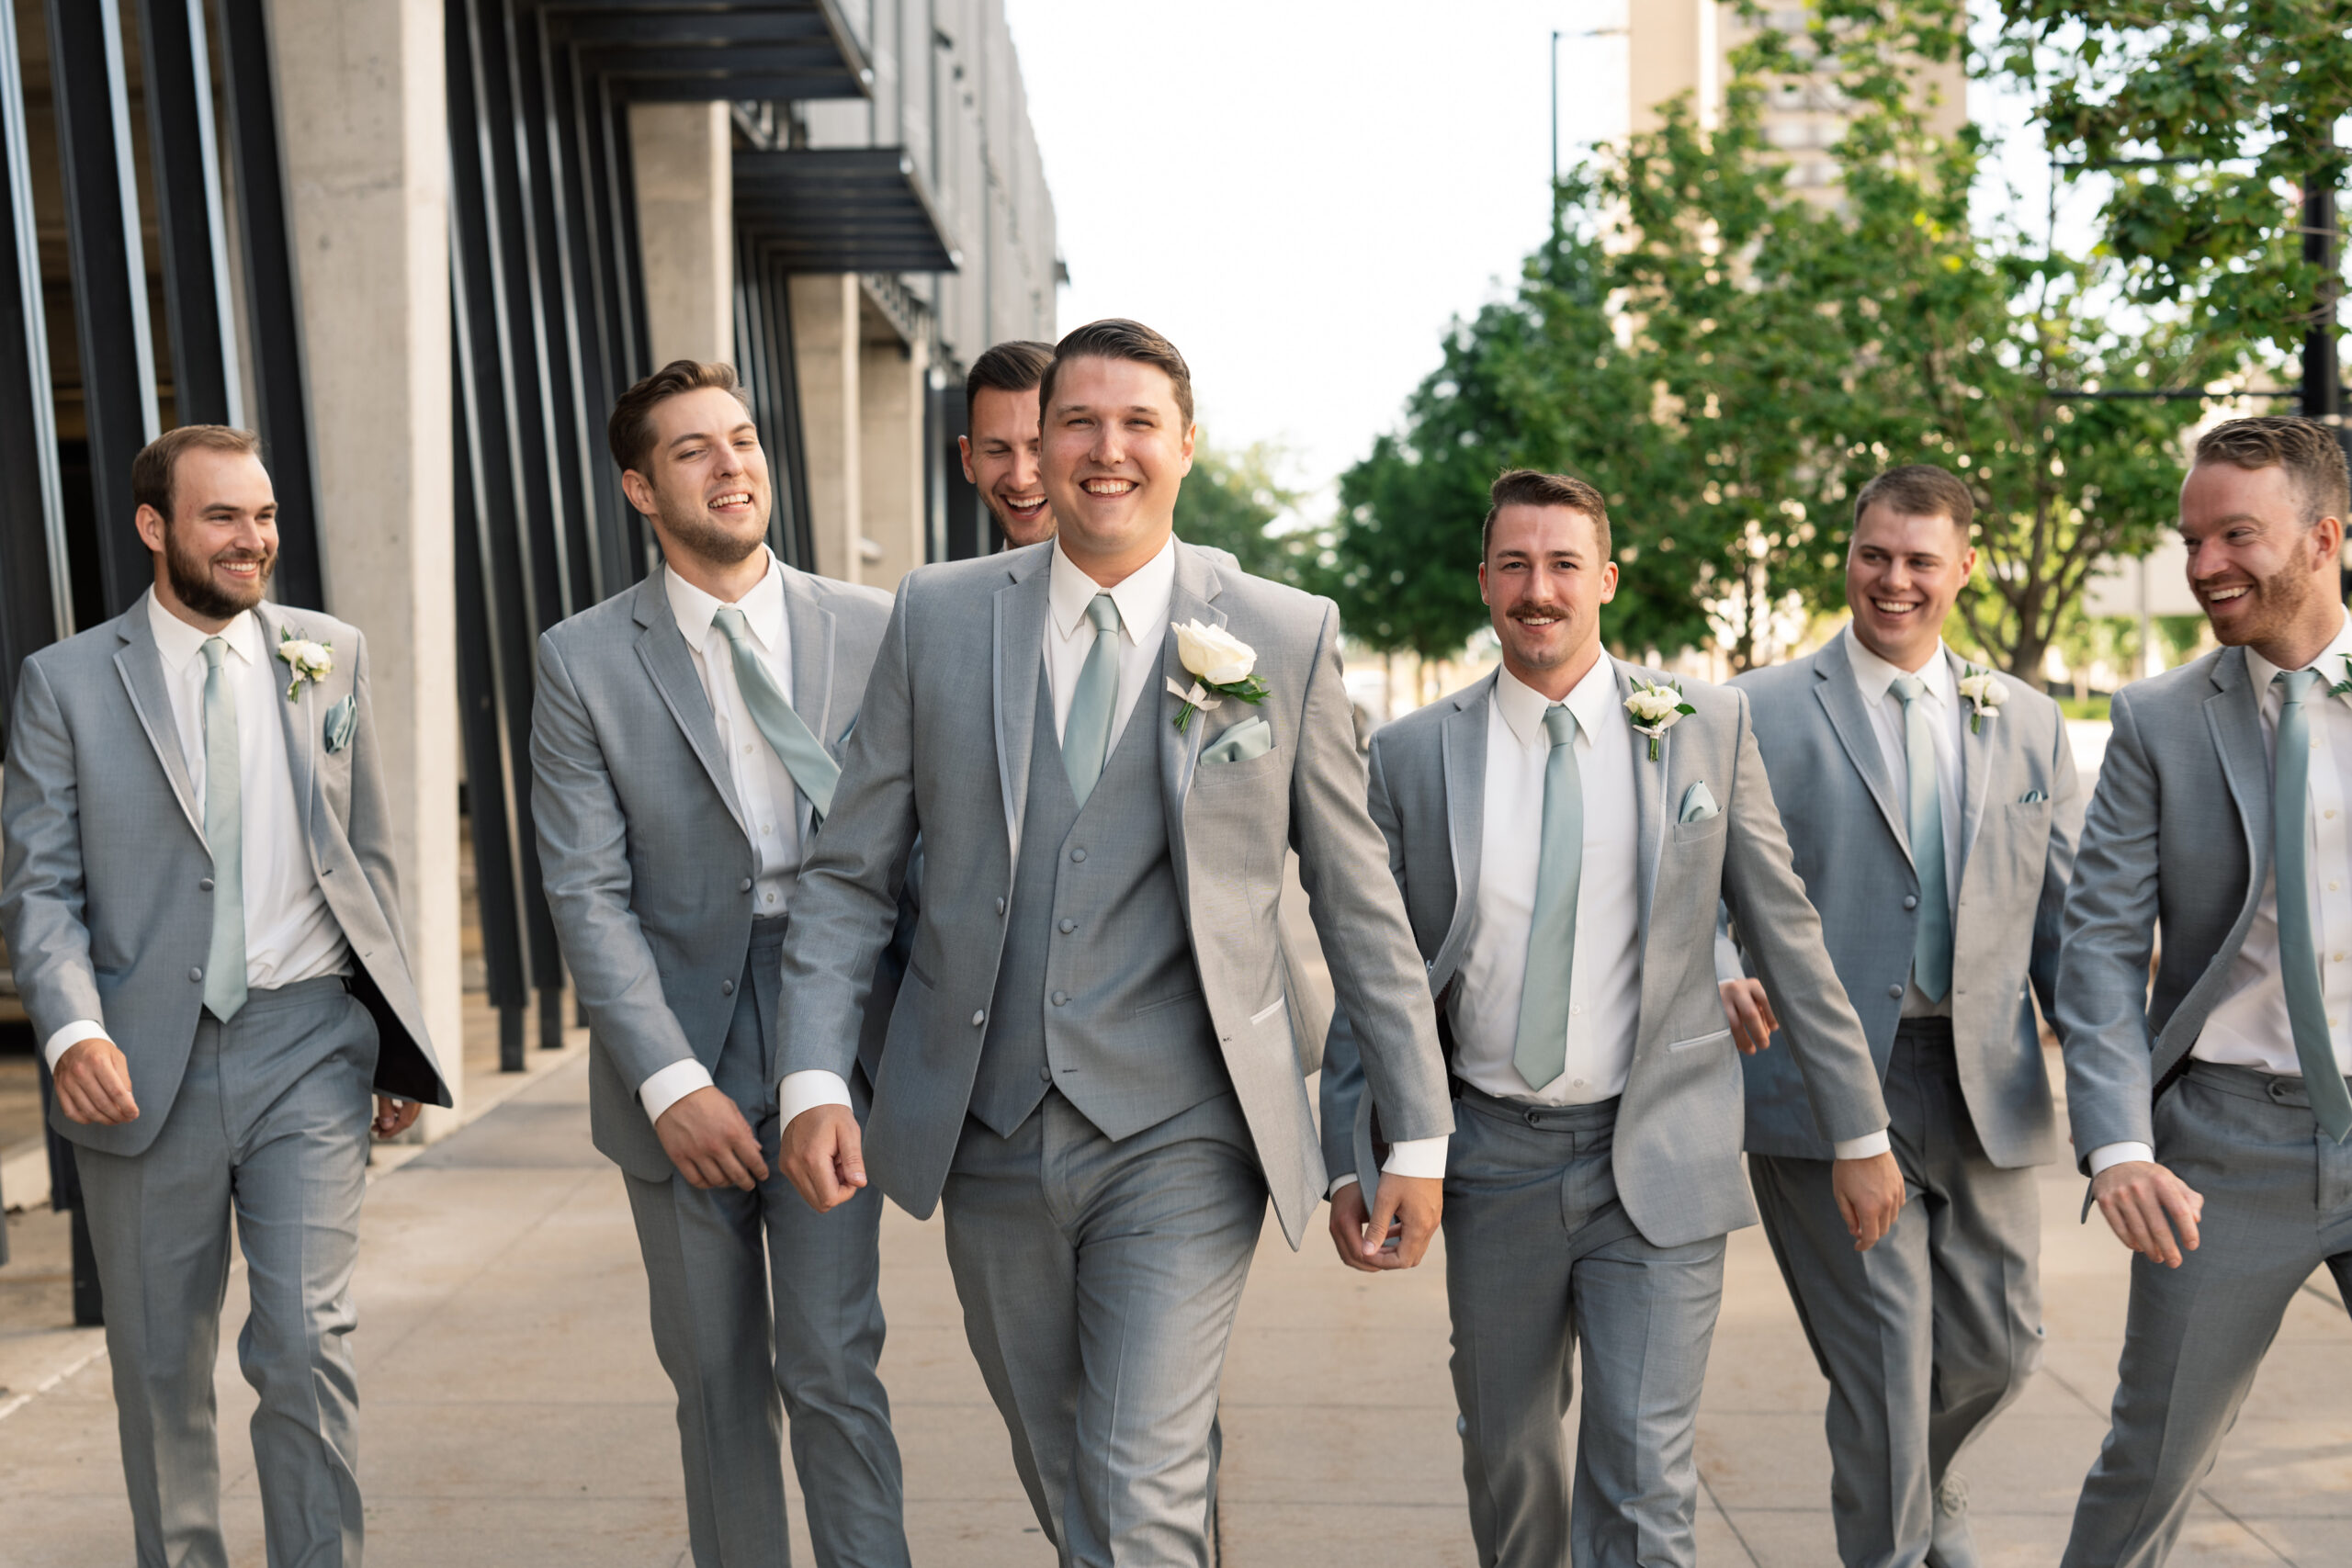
514,1414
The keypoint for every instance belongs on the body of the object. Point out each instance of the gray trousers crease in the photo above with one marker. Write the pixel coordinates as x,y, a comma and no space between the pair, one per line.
1542,1265
766,1312
1099,1281
269,1126
2278,1198
1931,1333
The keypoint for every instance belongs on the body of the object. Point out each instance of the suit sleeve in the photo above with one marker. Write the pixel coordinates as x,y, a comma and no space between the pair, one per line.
1342,1089
846,906
42,892
2058,870
1784,943
2106,940
1347,866
370,828
583,865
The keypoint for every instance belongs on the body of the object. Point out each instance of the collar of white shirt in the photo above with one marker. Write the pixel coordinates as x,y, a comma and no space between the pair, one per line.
179,644
2329,663
1592,699
762,607
1142,596
1874,675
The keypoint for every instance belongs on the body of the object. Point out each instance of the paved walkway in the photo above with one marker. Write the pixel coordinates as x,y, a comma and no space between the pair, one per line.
514,1414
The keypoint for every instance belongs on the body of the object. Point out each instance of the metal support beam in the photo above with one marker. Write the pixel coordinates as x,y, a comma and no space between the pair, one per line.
205,385
2323,390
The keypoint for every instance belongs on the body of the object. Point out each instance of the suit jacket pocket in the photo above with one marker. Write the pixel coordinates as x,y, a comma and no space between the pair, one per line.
1698,1040
1705,827
1213,774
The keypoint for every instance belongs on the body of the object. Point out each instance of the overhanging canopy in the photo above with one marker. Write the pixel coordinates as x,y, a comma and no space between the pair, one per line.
698,51
842,209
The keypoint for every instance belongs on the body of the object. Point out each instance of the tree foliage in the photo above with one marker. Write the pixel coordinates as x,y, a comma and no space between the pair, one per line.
1231,499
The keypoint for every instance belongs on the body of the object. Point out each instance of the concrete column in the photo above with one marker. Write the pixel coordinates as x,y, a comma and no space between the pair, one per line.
826,353
891,449
685,227
366,130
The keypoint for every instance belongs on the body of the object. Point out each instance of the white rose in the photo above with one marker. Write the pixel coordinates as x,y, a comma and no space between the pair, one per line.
1651,704
1213,654
1983,690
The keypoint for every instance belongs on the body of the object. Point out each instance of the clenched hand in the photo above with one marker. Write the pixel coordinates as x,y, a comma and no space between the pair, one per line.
1870,1195
708,1139
823,1155
93,1084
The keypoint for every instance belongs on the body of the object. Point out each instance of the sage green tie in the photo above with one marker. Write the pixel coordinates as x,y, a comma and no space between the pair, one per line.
1541,1050
2298,956
224,834
1086,735
802,754
1931,943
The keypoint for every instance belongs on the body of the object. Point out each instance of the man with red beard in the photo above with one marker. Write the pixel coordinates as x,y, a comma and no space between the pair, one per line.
1000,454
199,902
2211,1111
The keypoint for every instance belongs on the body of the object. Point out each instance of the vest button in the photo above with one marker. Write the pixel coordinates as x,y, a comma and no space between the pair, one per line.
727,988
205,886
1068,927
1910,900
745,885
196,975
1896,991
979,1019
1077,854
1000,905
1044,1073
1061,998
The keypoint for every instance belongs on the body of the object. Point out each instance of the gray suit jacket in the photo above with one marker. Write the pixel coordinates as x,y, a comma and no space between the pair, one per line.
114,923
1676,1153
943,749
646,863
2021,811
2177,838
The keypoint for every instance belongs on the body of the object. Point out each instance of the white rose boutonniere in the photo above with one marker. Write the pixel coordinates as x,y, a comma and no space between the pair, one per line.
1655,708
1220,665
1983,692
309,661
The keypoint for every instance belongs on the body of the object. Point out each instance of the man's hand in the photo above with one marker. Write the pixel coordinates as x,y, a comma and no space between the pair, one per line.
1749,1012
2146,1206
708,1139
1348,1219
1870,1195
823,1155
395,1115
93,1084
1406,1205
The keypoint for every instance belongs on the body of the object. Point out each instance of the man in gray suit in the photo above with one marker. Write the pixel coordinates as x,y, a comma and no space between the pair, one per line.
1935,831
684,752
1091,1059
2211,1114
200,906
1563,831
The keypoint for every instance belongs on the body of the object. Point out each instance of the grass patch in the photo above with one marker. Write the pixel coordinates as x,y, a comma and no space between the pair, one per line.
2084,707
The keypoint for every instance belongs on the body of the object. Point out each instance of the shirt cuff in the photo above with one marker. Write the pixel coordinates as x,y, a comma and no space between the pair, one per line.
2120,1154
1423,1158
73,1035
1868,1146
807,1090
1346,1179
671,1084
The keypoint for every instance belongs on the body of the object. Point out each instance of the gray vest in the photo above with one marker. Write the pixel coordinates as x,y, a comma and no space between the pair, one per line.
1097,994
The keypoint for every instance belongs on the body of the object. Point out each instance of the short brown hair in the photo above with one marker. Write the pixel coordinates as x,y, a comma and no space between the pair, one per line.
629,433
1118,338
1919,489
1532,487
152,470
1015,366
2307,450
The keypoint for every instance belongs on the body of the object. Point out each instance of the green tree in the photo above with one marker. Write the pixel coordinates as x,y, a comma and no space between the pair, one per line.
1231,499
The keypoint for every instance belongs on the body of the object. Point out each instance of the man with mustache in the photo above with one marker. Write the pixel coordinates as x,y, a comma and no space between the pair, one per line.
1563,831
2211,1111
1000,454
200,908
1935,831
684,753
1091,1064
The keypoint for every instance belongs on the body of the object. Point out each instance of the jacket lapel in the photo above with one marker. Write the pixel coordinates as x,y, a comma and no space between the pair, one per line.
141,668
1190,600
1834,685
1980,747
2245,756
1462,746
1650,793
299,717
808,632
662,648
1021,606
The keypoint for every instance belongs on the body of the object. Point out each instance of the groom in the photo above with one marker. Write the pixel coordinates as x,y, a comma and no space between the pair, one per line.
1091,1061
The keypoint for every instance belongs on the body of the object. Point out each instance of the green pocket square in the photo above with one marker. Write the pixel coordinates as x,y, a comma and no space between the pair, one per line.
1697,804
2031,795
1251,738
343,723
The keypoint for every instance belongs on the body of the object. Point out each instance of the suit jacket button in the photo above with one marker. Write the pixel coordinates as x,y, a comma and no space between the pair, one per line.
1068,927
1061,998
205,886
1896,991
1077,854
979,1017
1910,900
1045,1072
196,975
745,885
727,988
1000,905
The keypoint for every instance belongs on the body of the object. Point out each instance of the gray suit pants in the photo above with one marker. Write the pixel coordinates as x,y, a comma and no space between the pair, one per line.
1541,1258
270,1125
1099,1281
1928,1334
2277,1204
755,1295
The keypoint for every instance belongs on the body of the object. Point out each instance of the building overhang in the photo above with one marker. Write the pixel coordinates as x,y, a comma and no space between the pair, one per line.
702,50
841,209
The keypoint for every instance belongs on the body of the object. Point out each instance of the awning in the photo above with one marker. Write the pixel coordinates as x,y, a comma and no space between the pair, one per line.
842,209
700,50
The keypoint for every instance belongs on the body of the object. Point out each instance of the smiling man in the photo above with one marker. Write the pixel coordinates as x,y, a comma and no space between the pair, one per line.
1000,452
1935,834
683,755
2211,1111
1091,1064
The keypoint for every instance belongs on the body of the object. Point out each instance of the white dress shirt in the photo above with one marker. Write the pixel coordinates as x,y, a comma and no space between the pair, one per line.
2249,1026
1875,678
764,786
290,935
